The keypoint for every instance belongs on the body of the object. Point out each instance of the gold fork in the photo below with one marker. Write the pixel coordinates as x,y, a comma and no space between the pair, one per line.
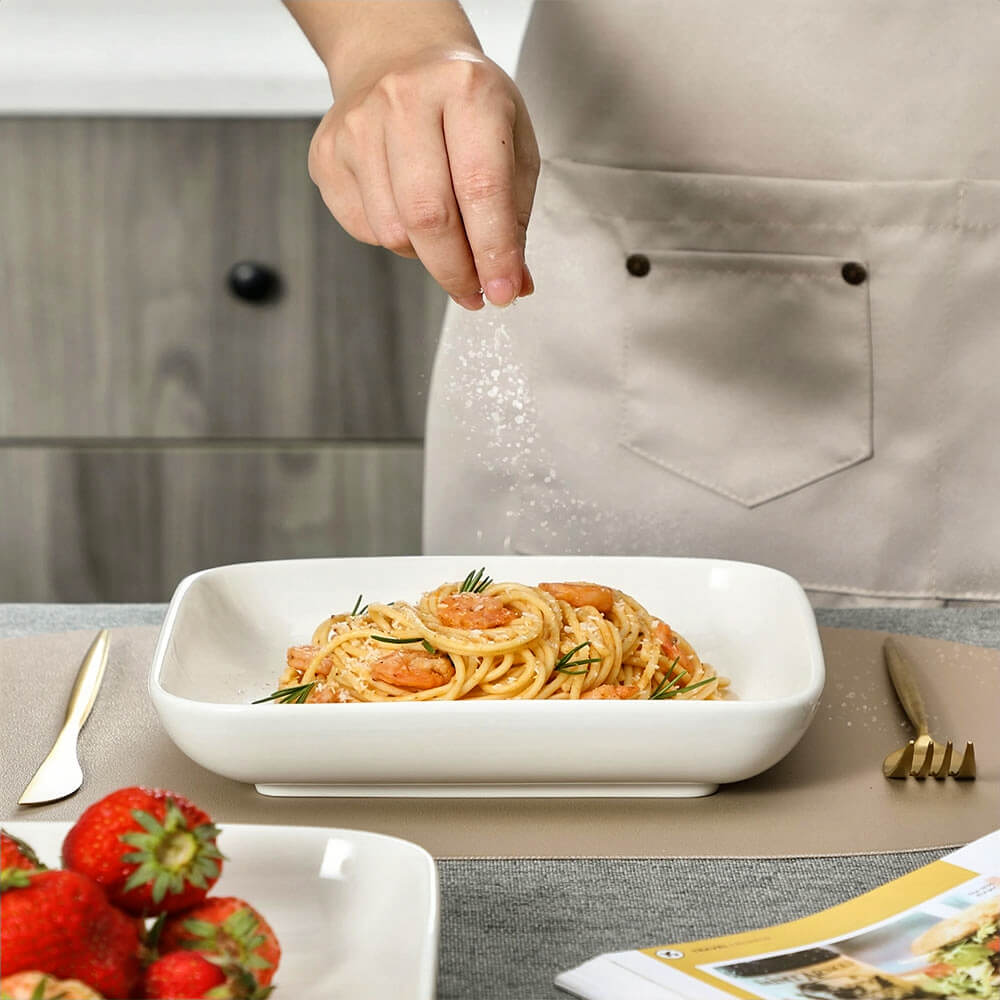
923,757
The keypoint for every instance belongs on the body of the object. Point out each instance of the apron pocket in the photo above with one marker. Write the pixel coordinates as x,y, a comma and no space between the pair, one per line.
747,373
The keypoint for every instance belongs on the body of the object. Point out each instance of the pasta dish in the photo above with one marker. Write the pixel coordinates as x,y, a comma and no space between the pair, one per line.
477,639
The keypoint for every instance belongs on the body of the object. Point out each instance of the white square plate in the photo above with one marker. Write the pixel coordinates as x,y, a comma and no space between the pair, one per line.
224,639
356,914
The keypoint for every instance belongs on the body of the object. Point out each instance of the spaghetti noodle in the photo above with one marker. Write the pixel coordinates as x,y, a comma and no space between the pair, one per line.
483,640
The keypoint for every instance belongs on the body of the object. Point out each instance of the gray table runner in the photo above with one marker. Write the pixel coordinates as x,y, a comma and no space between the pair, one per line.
509,925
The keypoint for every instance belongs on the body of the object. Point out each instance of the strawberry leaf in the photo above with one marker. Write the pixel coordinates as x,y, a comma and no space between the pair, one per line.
15,878
143,875
149,823
152,938
200,928
161,883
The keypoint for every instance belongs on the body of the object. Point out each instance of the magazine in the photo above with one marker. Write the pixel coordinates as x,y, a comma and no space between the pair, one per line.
932,933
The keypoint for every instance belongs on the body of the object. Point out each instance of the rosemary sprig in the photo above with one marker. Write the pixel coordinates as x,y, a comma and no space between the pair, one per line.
476,582
404,642
357,605
689,687
563,660
578,663
666,688
566,661
663,688
290,695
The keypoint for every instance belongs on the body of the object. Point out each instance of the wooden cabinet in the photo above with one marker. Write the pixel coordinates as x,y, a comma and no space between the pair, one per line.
116,241
142,402
127,524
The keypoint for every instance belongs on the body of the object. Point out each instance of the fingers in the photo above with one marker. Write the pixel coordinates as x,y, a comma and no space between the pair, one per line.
379,204
480,148
337,182
440,165
347,162
422,189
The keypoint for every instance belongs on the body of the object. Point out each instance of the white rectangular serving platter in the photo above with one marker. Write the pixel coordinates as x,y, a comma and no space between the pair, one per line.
226,632
356,913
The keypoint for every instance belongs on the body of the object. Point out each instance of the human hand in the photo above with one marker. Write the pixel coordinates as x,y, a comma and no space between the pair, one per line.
433,156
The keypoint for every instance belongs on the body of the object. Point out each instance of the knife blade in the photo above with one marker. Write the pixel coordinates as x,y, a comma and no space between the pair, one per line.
60,774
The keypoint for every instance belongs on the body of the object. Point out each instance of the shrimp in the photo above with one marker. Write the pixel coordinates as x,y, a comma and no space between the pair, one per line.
299,658
474,611
611,692
582,595
674,648
327,695
666,638
410,669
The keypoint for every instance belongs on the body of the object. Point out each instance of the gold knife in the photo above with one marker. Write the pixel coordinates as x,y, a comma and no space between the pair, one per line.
59,774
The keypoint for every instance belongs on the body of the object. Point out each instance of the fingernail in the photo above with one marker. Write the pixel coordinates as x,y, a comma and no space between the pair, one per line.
501,291
472,302
527,283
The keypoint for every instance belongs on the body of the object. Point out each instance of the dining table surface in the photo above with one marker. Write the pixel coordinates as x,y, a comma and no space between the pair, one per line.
509,925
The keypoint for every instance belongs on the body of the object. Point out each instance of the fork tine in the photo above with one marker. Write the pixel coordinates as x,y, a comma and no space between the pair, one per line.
925,767
943,769
967,766
904,764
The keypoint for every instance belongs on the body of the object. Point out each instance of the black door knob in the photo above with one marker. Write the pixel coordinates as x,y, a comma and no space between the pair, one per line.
254,282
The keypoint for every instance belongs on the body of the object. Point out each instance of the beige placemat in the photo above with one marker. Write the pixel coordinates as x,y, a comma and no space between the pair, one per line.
827,797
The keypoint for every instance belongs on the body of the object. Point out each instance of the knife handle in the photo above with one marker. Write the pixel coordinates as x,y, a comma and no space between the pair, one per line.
905,682
88,681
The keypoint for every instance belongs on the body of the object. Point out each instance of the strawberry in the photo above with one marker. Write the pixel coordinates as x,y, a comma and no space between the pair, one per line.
15,853
151,850
227,930
182,975
61,922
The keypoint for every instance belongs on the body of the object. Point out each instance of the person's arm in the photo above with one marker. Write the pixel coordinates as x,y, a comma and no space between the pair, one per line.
428,149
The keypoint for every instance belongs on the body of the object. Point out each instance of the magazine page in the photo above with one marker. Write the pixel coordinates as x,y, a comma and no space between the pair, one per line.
932,933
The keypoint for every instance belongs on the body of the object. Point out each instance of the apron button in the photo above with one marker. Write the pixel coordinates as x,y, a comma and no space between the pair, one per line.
854,273
637,264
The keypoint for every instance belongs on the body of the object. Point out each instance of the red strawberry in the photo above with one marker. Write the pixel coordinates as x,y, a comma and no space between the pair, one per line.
15,853
229,930
151,850
182,975
61,922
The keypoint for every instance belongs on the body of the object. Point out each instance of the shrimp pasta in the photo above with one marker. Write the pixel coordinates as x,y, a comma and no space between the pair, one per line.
477,639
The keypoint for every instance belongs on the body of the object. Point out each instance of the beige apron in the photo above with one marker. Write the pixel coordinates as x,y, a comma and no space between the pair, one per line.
766,243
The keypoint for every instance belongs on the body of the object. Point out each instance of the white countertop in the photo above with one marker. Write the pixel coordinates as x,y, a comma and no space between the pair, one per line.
183,57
